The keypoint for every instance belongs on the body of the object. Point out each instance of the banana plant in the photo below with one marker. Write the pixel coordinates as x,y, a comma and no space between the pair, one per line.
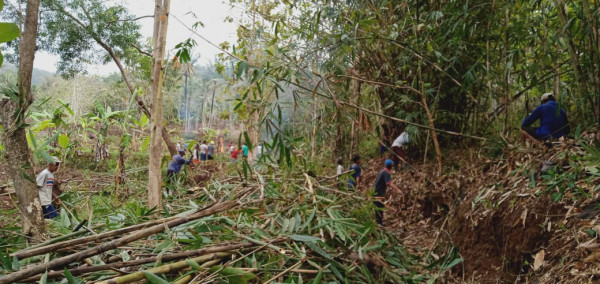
104,117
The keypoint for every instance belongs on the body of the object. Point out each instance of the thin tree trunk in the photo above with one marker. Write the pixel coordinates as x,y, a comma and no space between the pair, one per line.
436,144
161,21
14,139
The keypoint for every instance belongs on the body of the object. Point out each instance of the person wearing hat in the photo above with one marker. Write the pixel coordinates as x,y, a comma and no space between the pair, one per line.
356,173
383,180
211,150
553,121
45,182
175,167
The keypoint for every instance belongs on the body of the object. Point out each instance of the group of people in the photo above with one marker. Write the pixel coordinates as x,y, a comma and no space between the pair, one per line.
553,124
201,152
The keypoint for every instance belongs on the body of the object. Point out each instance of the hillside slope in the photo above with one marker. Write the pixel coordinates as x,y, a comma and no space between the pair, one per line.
508,220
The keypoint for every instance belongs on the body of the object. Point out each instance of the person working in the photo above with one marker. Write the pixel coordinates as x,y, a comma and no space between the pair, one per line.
175,167
553,121
210,153
259,148
383,180
203,151
234,155
45,182
244,151
354,181
399,150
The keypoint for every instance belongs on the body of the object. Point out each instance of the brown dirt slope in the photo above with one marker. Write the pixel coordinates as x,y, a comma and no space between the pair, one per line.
501,215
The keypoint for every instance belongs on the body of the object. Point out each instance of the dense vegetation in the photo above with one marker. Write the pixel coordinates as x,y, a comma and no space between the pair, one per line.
308,81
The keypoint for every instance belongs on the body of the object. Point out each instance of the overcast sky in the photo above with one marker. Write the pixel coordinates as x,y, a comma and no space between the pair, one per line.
210,12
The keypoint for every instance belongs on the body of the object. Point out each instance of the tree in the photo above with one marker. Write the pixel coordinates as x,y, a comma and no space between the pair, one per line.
12,116
78,24
159,38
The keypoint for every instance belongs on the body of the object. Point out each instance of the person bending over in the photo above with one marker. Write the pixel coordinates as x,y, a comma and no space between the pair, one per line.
553,121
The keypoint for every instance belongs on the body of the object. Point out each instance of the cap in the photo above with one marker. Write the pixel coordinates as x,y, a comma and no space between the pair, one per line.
212,142
546,96
389,163
181,152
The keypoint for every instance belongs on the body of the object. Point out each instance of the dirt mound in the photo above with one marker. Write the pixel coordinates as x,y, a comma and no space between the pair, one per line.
508,221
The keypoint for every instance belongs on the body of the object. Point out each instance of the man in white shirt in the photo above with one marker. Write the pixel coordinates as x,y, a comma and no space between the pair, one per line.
203,151
399,150
45,182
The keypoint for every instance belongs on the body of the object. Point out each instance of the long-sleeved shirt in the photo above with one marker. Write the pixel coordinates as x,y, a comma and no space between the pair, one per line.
177,162
553,121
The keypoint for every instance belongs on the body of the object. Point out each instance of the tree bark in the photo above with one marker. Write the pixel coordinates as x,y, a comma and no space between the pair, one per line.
161,21
12,117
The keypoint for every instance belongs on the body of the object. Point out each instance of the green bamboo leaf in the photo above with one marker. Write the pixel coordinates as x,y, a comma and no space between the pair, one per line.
318,278
1,58
44,278
193,264
145,144
234,275
69,277
313,246
304,238
152,278
1,6
15,263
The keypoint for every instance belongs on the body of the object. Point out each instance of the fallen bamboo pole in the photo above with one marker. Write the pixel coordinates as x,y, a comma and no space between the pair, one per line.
165,257
63,261
139,275
190,277
33,251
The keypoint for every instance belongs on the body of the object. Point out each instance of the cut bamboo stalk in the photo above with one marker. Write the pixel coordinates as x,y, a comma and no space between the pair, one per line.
139,275
63,261
165,257
85,240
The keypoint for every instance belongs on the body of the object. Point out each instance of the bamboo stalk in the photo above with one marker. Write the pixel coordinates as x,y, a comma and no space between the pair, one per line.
166,257
61,262
39,250
139,275
286,271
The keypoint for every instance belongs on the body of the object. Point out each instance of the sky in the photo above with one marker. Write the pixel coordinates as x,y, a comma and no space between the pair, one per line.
210,12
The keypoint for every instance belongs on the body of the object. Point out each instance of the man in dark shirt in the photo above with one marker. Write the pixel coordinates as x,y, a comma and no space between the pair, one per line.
383,180
553,121
354,181
175,167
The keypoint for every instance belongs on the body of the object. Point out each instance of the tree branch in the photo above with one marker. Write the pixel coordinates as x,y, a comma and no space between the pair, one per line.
140,50
130,20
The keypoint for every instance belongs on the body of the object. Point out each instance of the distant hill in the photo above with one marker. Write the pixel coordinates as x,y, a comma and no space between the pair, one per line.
38,75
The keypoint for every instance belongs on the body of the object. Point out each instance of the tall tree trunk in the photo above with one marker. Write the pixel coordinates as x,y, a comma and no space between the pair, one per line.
161,20
14,139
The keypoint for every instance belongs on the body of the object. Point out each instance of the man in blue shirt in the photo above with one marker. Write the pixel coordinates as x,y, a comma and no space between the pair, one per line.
553,121
244,151
383,180
354,181
175,167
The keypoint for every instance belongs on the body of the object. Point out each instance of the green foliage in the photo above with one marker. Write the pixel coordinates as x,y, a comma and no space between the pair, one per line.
70,29
8,32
